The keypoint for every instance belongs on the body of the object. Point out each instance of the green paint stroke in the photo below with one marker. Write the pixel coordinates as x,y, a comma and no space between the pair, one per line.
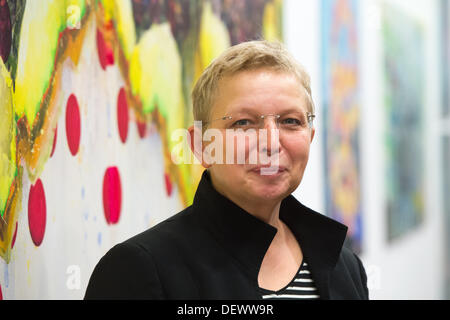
41,25
8,167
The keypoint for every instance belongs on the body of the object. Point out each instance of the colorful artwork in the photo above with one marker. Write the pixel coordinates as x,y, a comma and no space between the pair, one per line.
404,99
90,93
341,105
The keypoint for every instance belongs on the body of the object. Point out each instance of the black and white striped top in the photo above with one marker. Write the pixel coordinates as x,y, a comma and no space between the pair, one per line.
302,287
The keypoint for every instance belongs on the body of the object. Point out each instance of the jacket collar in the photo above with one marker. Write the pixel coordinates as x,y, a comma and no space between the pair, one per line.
247,238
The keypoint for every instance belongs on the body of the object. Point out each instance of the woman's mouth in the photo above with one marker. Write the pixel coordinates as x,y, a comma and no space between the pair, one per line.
269,170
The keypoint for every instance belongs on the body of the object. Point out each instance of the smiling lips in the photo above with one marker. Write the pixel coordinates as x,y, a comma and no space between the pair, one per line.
268,170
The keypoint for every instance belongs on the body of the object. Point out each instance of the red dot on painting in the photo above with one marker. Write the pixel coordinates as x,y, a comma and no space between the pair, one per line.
105,53
54,141
122,115
112,195
168,184
37,212
142,128
73,124
14,236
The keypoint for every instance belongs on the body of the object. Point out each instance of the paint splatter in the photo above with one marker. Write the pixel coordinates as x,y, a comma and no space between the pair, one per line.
14,236
73,124
5,31
54,141
168,184
105,53
142,128
99,238
37,212
112,195
122,115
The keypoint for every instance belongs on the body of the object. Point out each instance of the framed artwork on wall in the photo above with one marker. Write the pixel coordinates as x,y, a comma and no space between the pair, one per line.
341,115
404,72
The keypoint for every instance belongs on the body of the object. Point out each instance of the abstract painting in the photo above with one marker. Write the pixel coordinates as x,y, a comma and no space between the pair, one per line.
90,93
404,75
341,108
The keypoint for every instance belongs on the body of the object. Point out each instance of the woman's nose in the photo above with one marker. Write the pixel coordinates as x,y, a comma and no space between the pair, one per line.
269,138
269,121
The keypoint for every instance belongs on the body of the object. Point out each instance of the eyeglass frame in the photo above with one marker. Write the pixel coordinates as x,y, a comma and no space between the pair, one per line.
309,116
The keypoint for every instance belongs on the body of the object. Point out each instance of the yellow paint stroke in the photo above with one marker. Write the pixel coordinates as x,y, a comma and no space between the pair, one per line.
35,140
42,23
122,13
213,39
272,28
155,77
10,174
155,73
8,166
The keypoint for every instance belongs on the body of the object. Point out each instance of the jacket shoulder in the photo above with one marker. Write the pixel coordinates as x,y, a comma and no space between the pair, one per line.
349,261
172,230
126,271
129,270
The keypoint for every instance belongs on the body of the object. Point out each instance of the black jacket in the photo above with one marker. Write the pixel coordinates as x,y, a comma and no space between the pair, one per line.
214,249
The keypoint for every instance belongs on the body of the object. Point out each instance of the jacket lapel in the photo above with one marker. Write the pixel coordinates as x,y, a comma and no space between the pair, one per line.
247,238
320,238
242,235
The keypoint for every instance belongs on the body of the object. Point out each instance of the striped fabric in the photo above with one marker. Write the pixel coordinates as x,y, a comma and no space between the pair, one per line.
302,287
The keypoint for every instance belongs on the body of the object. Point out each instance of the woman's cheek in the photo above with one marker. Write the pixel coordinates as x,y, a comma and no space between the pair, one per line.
240,149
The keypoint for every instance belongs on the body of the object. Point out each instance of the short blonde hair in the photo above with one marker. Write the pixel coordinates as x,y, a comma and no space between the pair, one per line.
251,55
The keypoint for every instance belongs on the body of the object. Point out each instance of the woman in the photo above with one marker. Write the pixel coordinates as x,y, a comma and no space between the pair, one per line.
245,236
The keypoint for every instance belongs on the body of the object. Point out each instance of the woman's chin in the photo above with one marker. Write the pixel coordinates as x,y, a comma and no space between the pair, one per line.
270,192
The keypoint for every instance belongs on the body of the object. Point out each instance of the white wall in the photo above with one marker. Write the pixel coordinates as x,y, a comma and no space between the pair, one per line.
302,38
411,267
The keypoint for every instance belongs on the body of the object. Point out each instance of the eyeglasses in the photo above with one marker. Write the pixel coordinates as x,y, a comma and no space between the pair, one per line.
291,122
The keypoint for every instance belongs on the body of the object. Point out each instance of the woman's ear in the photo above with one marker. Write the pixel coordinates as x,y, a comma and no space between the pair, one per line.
196,144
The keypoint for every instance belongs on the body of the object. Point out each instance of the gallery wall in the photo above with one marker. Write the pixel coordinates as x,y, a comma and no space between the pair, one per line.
405,257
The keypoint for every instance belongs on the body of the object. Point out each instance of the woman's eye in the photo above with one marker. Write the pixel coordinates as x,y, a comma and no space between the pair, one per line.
242,122
292,121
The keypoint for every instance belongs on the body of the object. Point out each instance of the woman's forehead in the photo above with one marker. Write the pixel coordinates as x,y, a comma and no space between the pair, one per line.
260,77
259,91
271,103
252,109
